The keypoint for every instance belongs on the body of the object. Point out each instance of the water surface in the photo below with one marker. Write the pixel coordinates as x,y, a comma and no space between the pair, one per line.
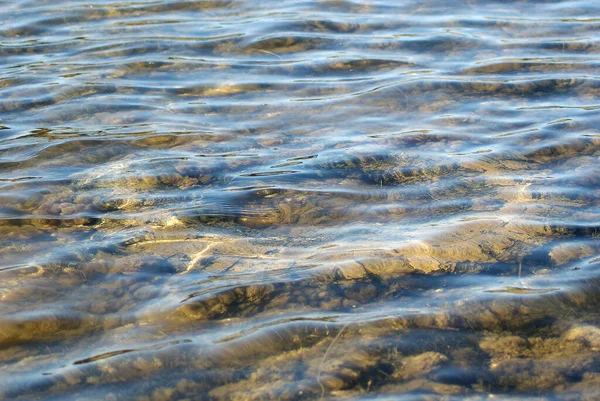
286,200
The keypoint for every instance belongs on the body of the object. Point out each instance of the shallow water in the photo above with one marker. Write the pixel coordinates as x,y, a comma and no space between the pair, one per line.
237,200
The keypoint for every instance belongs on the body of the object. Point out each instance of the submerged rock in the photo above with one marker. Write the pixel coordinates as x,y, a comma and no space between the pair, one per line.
420,365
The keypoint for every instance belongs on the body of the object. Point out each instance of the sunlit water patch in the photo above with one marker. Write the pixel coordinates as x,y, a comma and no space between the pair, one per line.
235,200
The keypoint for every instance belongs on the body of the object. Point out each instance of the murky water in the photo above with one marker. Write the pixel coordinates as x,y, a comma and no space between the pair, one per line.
285,200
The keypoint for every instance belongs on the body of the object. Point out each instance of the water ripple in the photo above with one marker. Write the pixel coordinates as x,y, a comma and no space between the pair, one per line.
299,200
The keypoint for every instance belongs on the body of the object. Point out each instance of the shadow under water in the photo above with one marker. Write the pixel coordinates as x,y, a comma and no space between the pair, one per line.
234,200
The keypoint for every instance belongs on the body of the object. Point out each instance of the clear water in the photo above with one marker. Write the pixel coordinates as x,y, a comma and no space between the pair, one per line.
241,200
